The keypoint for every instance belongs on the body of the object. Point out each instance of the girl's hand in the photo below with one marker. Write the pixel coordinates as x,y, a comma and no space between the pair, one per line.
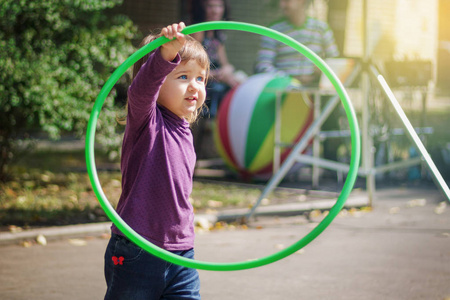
170,49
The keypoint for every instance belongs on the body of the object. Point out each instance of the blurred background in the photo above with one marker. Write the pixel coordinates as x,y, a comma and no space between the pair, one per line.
56,56
398,30
406,40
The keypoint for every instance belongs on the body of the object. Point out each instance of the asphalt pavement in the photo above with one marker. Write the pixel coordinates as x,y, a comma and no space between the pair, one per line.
398,250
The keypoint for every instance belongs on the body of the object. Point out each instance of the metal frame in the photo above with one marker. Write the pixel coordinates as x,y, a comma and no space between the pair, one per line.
367,169
293,157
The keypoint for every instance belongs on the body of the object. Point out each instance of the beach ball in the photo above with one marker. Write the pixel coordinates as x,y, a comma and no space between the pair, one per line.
245,126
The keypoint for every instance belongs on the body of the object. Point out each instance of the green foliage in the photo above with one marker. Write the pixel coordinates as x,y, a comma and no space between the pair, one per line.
54,58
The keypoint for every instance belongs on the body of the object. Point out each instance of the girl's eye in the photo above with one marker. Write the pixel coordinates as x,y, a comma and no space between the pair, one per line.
200,78
183,77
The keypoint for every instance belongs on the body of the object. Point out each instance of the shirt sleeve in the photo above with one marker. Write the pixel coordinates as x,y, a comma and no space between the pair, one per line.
144,90
329,43
265,60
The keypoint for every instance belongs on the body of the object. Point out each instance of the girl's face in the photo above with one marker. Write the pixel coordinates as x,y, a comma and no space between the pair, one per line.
184,89
214,10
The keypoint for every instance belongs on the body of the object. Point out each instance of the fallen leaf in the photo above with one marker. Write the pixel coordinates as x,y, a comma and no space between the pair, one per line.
41,240
366,208
21,199
214,203
343,213
279,246
301,198
265,202
15,229
301,251
105,236
45,178
440,209
220,225
78,242
210,211
115,183
10,192
26,244
394,210
315,213
356,212
53,188
416,203
232,227
203,223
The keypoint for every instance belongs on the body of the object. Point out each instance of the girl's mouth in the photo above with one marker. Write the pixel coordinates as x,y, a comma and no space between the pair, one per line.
191,99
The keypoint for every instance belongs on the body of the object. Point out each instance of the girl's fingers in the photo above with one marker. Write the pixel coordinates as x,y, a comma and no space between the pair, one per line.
164,32
167,32
172,31
178,27
174,28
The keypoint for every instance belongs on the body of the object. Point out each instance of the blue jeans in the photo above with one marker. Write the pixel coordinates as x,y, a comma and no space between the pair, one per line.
133,273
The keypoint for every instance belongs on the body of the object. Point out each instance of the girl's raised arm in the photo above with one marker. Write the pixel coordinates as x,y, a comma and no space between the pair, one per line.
169,50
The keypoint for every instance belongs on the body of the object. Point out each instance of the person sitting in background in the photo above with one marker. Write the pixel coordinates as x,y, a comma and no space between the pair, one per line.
275,56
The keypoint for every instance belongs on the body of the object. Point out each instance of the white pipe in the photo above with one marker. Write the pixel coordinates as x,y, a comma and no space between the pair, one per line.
415,137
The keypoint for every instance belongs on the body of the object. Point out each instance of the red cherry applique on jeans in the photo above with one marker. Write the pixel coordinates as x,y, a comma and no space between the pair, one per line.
118,260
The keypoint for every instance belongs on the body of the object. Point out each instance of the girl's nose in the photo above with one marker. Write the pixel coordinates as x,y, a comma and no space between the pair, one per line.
193,86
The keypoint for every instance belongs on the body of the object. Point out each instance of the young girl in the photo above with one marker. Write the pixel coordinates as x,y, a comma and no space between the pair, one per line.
157,164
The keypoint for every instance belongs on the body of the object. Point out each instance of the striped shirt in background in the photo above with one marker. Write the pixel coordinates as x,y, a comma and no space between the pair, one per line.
275,56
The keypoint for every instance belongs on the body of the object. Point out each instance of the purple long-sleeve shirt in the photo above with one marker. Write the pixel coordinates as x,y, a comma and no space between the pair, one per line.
157,163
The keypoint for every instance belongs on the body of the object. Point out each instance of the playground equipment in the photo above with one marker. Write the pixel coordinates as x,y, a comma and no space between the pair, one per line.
365,71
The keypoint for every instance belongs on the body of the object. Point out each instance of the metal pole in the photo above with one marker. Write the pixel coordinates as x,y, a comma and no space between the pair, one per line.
277,135
367,143
440,181
316,141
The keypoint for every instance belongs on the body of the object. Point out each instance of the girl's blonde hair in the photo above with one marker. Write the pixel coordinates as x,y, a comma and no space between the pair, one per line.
192,49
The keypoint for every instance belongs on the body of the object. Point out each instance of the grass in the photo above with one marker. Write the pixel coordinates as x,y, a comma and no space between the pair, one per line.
215,195
46,198
53,188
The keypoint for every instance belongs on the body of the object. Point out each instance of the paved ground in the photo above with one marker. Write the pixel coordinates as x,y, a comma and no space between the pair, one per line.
400,250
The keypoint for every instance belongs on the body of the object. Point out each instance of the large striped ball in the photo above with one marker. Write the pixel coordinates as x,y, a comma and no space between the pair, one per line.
245,129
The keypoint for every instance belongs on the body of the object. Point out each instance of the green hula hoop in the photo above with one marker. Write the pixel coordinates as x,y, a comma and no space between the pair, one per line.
211,266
